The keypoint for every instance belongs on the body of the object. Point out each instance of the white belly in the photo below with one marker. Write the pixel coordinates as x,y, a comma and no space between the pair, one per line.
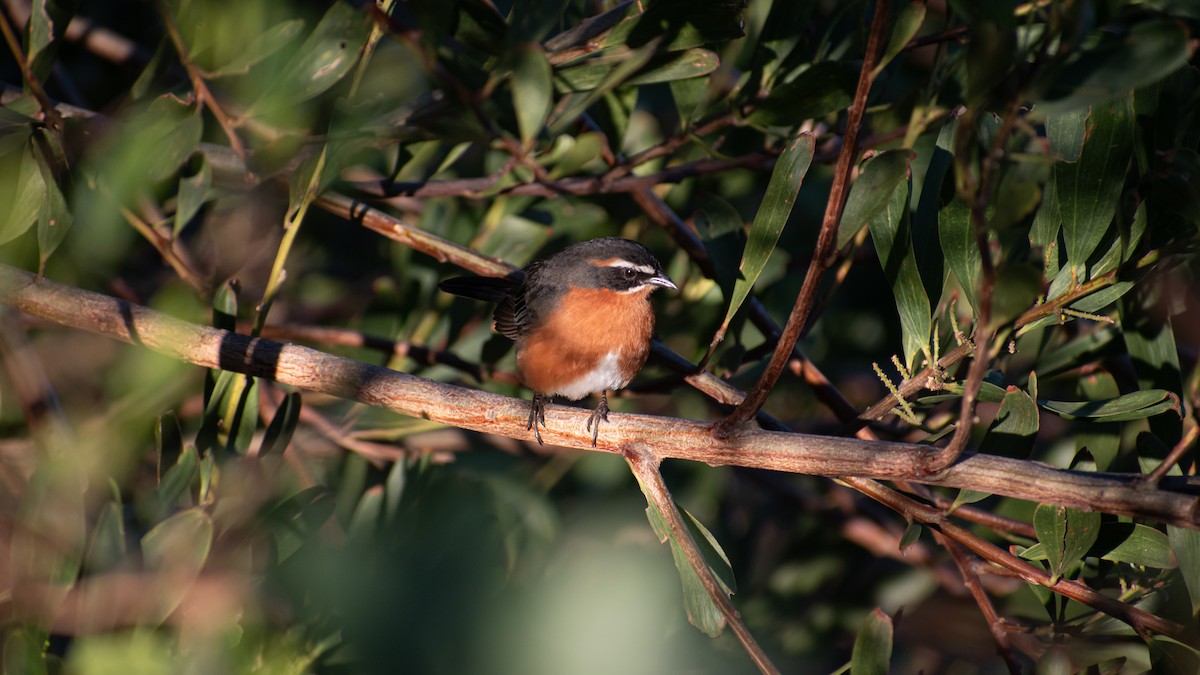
604,377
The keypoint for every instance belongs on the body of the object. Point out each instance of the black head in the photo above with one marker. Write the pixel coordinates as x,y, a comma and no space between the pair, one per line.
617,264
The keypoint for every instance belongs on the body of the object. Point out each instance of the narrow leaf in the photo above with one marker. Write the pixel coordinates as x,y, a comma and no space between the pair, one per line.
54,216
532,90
1134,544
872,653
1013,431
1066,535
824,88
1185,544
772,215
267,43
890,230
193,192
1087,190
702,611
957,236
1132,406
907,24
26,196
872,192
1121,62
177,548
325,57
279,432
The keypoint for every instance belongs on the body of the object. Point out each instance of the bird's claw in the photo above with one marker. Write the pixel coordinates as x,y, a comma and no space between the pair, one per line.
537,416
598,415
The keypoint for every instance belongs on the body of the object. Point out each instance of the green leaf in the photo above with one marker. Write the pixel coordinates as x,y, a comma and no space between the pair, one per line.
49,537
957,236
773,213
177,548
615,75
264,45
660,68
1101,440
702,612
1134,544
912,534
721,228
326,56
573,153
683,65
15,131
1150,340
279,432
1018,285
54,216
680,24
23,652
823,88
968,497
873,192
1066,535
1013,431
107,548
530,20
1121,62
22,192
179,130
690,96
193,192
907,24
41,30
890,230
1185,544
178,480
991,50
532,91
1087,190
1132,406
368,514
872,653
297,519
1094,302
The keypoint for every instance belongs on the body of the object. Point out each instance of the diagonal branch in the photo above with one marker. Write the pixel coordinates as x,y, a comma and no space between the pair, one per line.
645,463
204,95
825,240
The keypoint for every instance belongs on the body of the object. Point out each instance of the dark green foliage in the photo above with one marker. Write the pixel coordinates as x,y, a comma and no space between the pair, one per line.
1040,160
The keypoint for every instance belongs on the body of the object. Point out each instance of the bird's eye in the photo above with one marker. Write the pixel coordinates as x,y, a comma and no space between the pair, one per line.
630,273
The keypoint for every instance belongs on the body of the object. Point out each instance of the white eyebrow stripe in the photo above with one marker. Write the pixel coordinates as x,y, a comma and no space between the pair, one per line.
644,269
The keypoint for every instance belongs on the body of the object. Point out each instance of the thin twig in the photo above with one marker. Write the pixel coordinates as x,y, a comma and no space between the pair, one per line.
1048,308
1177,452
644,464
798,319
1142,621
49,110
996,623
204,96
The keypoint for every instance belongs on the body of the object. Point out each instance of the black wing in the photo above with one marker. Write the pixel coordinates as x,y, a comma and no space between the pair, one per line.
511,316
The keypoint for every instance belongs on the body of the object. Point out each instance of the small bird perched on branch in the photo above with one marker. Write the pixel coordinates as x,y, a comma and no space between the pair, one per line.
581,320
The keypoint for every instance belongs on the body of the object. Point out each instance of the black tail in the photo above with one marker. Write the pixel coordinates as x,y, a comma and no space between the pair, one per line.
488,289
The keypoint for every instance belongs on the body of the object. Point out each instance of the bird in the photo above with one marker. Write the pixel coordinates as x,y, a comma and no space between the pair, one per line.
581,320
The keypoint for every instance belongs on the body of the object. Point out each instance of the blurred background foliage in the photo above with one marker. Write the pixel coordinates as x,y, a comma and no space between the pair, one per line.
162,519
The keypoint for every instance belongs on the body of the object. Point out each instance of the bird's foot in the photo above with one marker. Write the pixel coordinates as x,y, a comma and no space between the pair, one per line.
537,415
600,413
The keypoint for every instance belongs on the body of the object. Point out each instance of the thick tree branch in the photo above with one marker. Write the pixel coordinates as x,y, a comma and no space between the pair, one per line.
1176,500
